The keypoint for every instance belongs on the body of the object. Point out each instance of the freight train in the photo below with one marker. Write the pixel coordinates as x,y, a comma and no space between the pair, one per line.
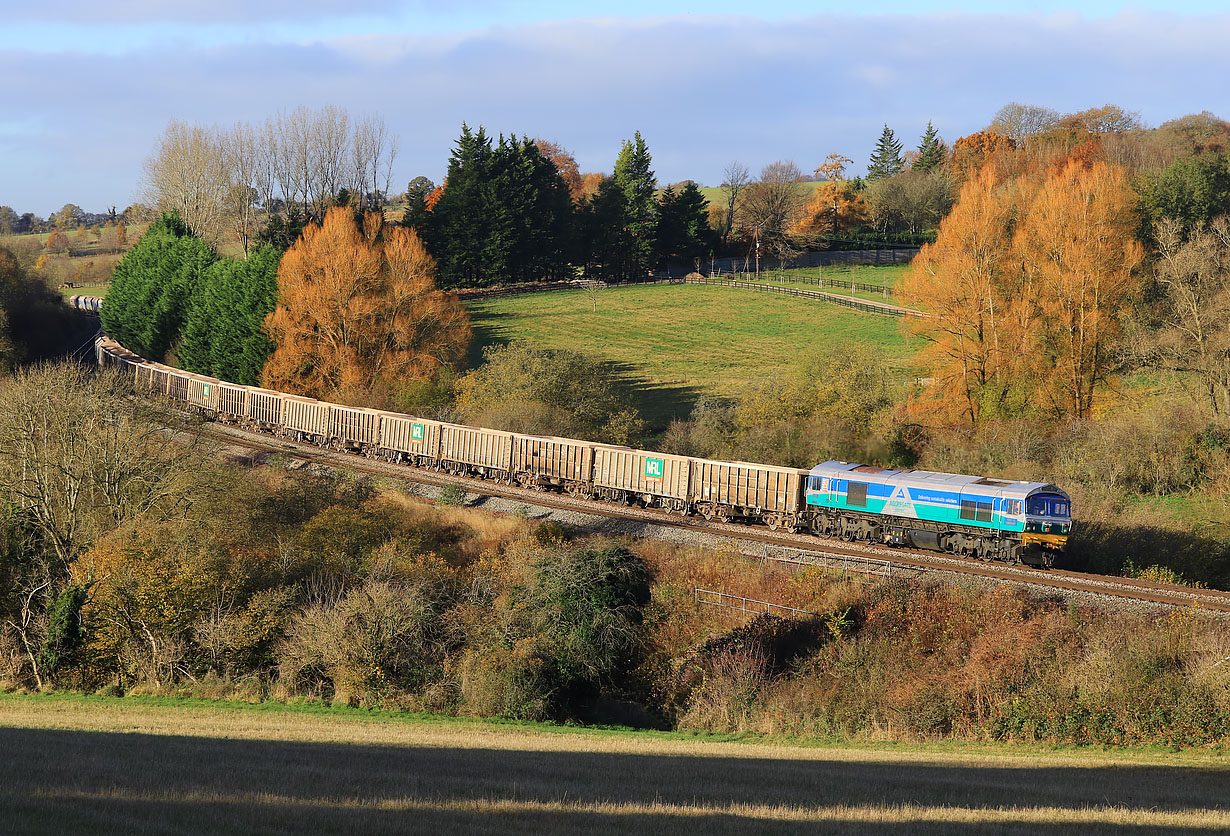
970,516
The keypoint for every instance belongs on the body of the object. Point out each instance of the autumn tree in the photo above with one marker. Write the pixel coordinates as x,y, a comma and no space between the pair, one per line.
977,323
833,167
970,153
1108,118
1080,254
1026,287
57,242
358,310
835,208
566,164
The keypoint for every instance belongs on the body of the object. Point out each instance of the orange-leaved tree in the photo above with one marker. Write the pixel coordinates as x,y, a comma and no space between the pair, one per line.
359,315
835,208
979,323
970,153
1024,289
1078,249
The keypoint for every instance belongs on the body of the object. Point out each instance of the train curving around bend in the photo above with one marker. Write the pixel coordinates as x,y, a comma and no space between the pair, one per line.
970,516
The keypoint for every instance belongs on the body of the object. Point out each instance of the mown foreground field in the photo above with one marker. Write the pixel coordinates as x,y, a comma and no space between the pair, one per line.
679,342
100,766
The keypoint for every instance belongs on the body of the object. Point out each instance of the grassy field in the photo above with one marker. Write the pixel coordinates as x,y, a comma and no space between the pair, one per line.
85,290
108,766
678,342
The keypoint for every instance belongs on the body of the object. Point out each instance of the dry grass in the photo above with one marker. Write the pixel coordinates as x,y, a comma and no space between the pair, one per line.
122,766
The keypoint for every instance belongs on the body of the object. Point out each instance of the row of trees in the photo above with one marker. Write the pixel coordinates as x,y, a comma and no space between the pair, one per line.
217,179
518,210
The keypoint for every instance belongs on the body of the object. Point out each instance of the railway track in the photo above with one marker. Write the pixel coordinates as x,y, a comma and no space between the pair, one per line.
798,549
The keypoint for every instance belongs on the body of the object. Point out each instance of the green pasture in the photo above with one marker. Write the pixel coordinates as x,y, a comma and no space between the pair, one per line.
677,343
85,290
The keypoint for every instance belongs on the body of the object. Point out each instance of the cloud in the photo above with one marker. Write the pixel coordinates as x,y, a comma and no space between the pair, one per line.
703,91
214,11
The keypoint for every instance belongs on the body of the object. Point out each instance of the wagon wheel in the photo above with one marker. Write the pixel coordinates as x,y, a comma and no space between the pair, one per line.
774,521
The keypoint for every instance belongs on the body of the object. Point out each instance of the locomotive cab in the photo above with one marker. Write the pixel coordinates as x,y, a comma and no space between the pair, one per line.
1048,519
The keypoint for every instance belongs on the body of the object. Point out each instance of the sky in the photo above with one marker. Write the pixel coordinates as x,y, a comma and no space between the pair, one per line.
90,86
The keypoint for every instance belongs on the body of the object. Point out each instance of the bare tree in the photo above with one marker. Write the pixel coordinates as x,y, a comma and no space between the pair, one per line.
189,173
372,151
331,135
735,178
1195,274
772,205
240,146
1021,121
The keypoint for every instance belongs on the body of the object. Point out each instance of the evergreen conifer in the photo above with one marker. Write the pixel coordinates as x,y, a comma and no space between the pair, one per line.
886,158
931,151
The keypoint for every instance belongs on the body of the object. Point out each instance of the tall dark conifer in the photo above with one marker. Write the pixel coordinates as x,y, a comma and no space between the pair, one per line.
886,158
504,216
931,151
152,287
